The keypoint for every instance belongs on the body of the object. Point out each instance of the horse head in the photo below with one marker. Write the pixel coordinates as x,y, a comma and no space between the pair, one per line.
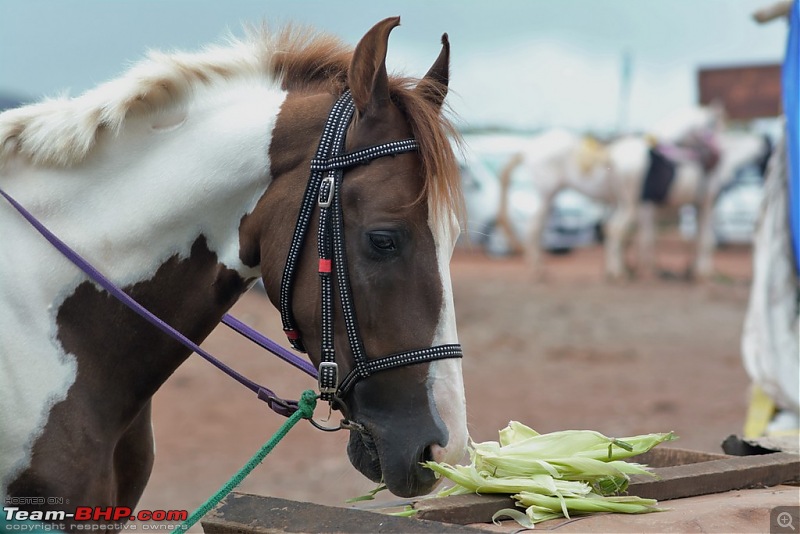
399,228
696,129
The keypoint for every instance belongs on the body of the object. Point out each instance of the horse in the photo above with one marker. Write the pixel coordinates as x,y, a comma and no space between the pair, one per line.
181,182
615,174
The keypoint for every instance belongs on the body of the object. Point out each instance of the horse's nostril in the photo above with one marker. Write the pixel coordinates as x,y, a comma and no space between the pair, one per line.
439,453
432,453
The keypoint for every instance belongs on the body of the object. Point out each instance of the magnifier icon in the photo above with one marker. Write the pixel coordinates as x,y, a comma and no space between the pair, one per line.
785,520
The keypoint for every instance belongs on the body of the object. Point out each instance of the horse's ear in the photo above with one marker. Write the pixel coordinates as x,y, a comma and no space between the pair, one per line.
434,85
367,78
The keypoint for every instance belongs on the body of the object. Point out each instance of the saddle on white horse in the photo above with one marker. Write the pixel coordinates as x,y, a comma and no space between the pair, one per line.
702,150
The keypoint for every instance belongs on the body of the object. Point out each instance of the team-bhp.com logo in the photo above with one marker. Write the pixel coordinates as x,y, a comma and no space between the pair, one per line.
17,519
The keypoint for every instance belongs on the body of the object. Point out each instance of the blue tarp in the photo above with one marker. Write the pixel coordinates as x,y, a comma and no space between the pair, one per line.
791,108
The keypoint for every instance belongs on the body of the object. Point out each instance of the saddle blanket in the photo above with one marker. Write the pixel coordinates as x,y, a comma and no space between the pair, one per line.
659,178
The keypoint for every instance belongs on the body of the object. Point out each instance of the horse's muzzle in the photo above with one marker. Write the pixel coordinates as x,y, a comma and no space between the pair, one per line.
363,454
392,462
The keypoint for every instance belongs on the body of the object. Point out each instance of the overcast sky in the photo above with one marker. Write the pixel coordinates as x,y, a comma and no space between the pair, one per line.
525,63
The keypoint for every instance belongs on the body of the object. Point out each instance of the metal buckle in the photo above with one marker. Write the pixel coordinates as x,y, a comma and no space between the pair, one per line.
335,377
325,201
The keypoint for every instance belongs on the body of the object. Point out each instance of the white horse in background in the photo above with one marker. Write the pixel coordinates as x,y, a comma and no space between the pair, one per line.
614,174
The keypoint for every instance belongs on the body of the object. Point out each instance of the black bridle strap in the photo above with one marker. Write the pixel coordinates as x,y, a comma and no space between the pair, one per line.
338,119
401,359
365,155
324,187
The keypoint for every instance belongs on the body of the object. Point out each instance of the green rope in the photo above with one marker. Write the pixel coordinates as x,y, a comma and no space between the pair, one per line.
305,410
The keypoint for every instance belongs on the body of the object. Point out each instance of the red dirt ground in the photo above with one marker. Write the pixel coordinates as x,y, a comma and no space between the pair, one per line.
572,352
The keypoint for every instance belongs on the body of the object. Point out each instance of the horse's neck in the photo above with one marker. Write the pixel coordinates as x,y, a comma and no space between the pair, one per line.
148,192
157,209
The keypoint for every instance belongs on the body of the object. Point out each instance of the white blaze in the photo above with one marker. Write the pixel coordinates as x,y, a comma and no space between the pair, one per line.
445,380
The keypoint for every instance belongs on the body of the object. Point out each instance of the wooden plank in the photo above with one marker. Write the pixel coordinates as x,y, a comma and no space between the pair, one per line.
670,456
242,513
463,509
717,476
690,478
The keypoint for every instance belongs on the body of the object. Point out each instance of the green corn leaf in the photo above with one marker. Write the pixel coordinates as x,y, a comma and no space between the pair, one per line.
589,504
516,515
369,496
516,432
517,439
556,474
469,478
610,485
409,511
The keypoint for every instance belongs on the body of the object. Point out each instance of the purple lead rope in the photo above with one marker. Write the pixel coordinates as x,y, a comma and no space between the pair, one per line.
280,406
267,344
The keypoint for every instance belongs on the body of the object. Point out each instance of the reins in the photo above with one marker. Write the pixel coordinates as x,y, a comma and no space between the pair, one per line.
278,405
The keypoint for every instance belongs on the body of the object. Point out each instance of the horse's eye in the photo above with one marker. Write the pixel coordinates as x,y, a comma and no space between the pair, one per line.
383,241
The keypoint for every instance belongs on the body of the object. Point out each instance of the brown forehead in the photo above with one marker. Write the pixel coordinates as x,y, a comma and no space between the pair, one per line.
387,188
391,185
392,125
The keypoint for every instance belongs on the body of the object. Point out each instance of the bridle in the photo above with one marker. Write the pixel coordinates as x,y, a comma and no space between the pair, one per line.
324,185
324,190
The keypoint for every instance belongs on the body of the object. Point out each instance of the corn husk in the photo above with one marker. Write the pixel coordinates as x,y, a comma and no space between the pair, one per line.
556,474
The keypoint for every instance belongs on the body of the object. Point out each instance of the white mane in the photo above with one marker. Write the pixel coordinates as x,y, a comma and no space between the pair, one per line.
61,131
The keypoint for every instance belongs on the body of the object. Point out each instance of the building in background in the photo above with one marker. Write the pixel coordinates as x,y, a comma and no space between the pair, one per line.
747,92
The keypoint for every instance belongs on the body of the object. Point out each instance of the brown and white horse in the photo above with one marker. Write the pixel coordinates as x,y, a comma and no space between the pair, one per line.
181,181
615,174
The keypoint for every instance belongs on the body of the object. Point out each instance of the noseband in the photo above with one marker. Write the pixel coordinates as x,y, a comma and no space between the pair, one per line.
324,190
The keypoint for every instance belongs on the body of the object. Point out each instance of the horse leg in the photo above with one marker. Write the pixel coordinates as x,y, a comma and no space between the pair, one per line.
616,229
702,265
133,459
646,239
71,465
533,248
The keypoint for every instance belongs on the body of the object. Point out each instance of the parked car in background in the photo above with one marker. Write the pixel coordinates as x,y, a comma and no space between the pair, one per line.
736,210
574,220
